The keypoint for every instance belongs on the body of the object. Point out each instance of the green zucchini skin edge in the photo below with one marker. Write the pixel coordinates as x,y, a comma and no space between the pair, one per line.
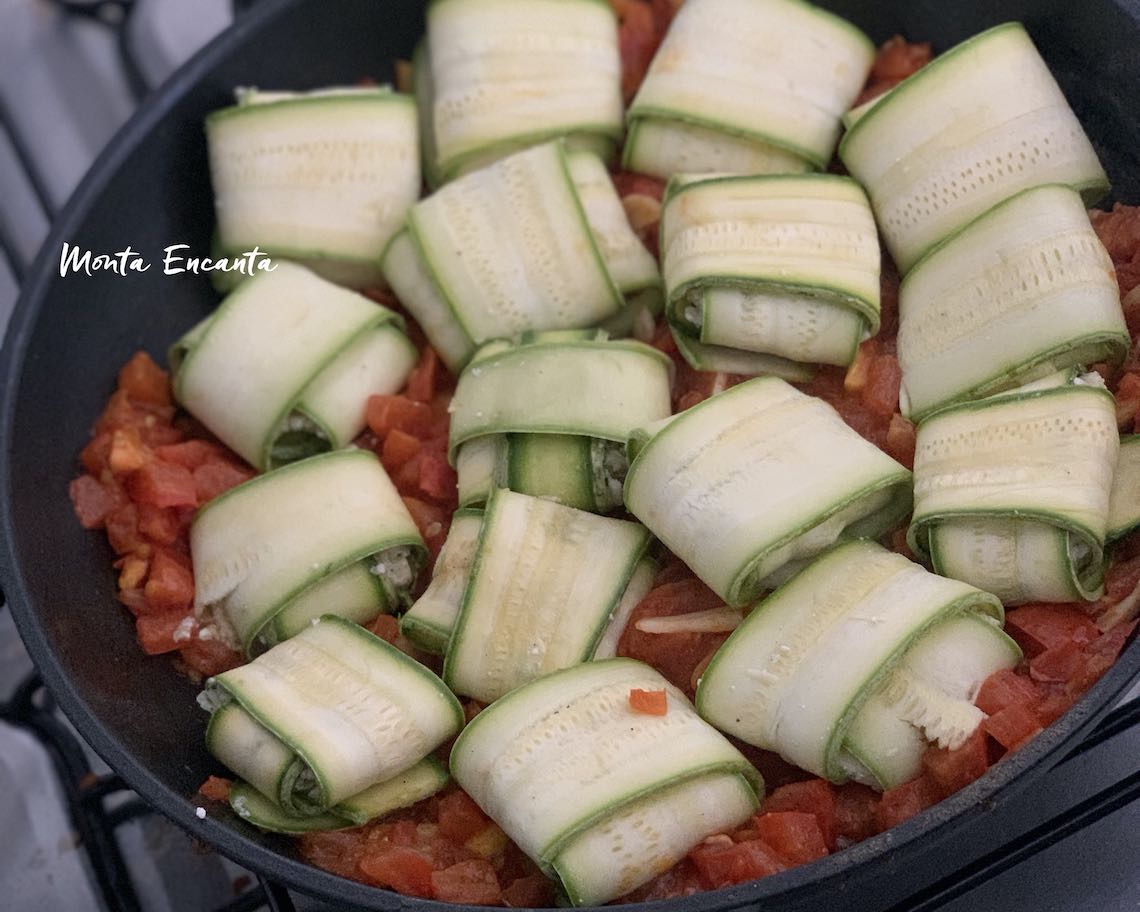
1127,521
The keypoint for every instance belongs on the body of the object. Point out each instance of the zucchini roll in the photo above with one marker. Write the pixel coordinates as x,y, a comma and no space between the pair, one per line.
549,417
1011,493
1124,500
602,797
545,583
537,241
324,178
849,669
335,725
329,535
980,123
283,368
746,486
747,87
496,76
1025,290
785,266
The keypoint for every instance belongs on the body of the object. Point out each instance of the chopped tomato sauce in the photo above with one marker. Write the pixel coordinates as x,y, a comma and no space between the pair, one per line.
648,702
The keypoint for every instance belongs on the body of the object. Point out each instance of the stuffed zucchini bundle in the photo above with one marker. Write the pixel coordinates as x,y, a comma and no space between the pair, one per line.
1021,292
786,266
849,669
549,416
328,535
284,367
324,178
979,124
746,87
496,76
330,729
602,797
746,486
537,241
1124,500
1011,493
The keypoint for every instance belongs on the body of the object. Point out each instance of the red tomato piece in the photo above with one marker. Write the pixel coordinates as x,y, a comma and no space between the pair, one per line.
386,627
900,440
190,453
170,585
127,454
383,413
1058,663
902,803
214,478
1006,688
627,183
648,702
215,788
1039,627
794,835
403,869
1012,726
145,381
637,40
882,391
815,796
951,770
438,480
422,380
161,525
855,812
471,882
162,484
92,501
123,529
431,520
95,457
534,891
398,450
156,632
460,817
209,657
723,863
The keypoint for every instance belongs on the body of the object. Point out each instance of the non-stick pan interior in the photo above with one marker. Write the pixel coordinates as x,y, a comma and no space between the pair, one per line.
151,189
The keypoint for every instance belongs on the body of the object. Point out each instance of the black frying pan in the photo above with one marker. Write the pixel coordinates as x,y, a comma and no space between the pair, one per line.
68,338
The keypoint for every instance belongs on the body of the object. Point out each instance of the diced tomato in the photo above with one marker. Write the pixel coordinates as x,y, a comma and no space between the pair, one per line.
471,882
535,891
95,457
460,817
123,529
855,812
438,479
951,770
128,454
1006,688
882,391
421,381
431,520
1058,663
190,453
1012,726
723,863
163,484
403,869
899,58
637,40
1040,627
900,440
794,835
1052,707
214,478
1110,643
209,657
627,183
215,788
169,586
682,879
145,381
92,501
383,413
398,450
156,632
815,796
135,601
161,525
386,627
132,571
902,803
648,702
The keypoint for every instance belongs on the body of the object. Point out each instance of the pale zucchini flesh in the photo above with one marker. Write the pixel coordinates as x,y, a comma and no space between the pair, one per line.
264,543
756,477
737,361
353,593
1124,498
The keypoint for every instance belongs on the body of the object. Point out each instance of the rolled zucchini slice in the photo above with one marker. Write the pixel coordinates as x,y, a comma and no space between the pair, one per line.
1011,493
284,368
929,174
747,485
602,797
503,250
323,178
785,266
795,676
271,551
429,621
544,583
1124,499
515,423
774,76
737,361
1025,290
421,781
510,74
348,709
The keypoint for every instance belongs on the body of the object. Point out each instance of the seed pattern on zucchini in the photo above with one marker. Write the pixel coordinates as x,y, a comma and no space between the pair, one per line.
783,266
750,483
263,546
324,178
1011,493
1010,128
350,710
509,74
567,769
773,77
795,676
1022,292
283,369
